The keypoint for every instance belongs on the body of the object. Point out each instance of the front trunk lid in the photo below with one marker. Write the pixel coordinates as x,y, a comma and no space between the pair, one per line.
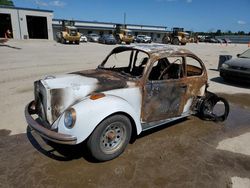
55,94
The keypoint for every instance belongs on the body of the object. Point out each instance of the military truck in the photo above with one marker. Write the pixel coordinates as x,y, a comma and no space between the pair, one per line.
68,33
176,36
122,34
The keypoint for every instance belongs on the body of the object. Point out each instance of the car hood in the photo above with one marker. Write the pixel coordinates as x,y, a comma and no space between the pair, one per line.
60,92
88,81
239,62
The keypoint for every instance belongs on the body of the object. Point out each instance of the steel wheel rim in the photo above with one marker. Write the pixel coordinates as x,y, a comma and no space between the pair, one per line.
113,137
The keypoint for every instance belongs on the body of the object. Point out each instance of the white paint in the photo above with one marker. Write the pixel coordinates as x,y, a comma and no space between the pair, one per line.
69,80
75,88
238,182
187,105
89,113
239,144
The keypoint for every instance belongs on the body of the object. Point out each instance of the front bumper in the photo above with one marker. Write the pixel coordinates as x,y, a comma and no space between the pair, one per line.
44,132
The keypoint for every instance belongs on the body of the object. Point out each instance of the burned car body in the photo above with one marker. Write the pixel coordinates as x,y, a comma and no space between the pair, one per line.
134,89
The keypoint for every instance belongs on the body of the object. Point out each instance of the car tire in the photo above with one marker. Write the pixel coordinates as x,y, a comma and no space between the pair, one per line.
110,138
77,42
175,41
63,41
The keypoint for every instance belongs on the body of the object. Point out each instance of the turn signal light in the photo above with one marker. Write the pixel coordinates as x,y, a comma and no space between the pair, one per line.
96,96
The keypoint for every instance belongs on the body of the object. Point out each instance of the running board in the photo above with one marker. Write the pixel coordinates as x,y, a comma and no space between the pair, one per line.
147,126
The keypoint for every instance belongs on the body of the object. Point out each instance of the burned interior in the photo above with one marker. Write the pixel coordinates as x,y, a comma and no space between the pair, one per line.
131,62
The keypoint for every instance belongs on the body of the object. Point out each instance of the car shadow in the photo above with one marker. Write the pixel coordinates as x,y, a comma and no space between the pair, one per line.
61,152
161,127
231,83
56,151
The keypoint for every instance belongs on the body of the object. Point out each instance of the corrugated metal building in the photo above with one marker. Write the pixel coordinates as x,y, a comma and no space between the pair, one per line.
26,23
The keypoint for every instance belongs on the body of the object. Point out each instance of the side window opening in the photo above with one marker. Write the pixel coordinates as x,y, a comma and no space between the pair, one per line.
194,67
167,68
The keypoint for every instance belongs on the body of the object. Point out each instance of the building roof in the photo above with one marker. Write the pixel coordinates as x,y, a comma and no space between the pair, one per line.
29,9
112,23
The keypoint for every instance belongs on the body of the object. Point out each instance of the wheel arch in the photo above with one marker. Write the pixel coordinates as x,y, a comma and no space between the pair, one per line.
134,132
91,113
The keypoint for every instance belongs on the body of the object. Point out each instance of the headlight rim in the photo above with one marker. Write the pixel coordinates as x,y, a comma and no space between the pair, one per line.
73,115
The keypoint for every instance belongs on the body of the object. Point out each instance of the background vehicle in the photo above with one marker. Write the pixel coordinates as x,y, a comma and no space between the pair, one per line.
69,33
210,40
220,41
93,37
143,39
226,40
123,35
83,38
176,36
107,39
237,69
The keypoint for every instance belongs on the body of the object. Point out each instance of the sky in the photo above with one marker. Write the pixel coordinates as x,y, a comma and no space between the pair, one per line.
194,15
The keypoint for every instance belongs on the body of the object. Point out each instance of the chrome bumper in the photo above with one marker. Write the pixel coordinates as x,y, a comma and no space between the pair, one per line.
44,132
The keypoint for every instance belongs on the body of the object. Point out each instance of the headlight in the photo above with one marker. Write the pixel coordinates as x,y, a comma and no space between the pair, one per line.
224,65
70,118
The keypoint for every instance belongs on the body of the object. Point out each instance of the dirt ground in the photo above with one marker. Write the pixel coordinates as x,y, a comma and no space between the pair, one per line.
183,154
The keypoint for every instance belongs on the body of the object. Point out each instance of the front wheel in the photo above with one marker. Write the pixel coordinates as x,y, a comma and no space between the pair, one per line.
110,138
175,41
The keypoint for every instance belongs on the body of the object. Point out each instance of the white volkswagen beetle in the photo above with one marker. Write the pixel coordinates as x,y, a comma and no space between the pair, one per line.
134,89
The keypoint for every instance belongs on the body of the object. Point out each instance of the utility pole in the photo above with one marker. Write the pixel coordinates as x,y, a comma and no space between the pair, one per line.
124,18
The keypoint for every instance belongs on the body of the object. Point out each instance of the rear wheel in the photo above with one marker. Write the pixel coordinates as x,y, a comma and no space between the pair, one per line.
110,138
77,42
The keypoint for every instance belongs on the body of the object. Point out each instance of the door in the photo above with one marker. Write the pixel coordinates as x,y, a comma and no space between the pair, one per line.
37,27
164,91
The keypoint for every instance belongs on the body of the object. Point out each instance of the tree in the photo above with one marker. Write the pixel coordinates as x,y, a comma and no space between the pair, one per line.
241,33
218,32
7,3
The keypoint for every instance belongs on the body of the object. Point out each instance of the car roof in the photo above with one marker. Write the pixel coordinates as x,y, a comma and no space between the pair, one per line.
154,49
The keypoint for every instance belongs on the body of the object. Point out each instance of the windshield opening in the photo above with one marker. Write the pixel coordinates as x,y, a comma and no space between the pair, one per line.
127,62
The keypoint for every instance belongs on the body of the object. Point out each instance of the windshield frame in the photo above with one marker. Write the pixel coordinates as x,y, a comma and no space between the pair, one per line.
133,60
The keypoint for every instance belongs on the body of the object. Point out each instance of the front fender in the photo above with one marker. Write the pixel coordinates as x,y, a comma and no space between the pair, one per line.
89,113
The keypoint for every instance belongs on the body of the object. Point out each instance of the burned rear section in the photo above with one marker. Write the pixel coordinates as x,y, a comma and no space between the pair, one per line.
175,86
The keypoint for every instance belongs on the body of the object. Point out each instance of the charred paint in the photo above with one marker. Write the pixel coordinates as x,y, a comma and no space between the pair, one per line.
58,98
107,80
